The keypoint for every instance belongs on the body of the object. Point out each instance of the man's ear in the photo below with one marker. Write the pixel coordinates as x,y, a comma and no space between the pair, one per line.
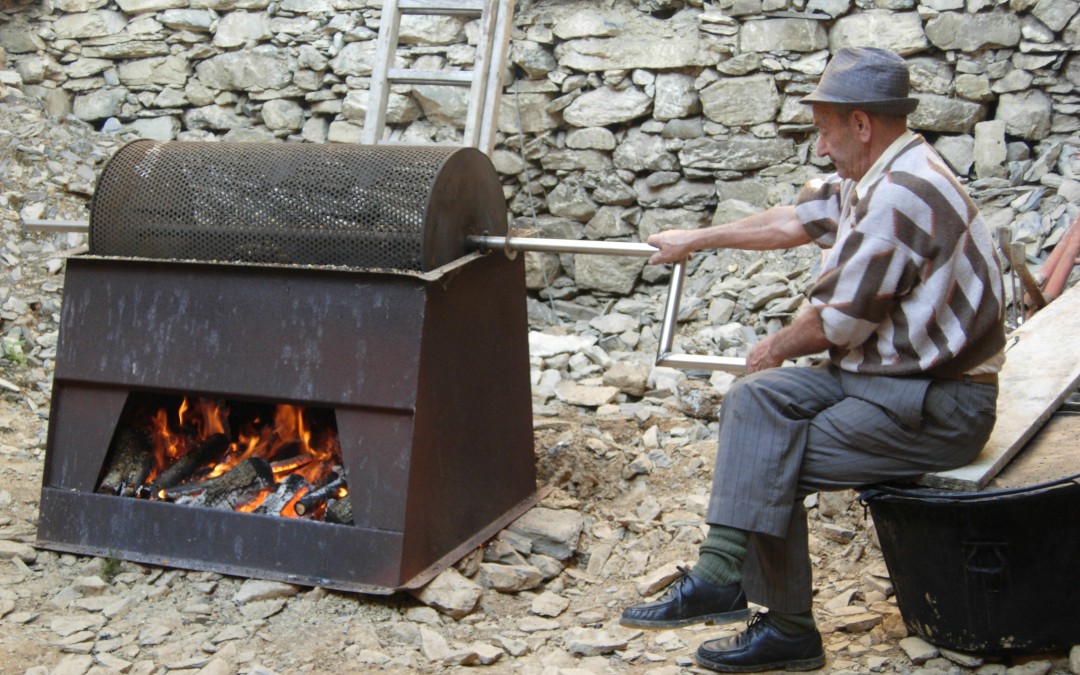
862,124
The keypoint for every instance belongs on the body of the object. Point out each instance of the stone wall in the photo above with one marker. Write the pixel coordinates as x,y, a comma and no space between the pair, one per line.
620,118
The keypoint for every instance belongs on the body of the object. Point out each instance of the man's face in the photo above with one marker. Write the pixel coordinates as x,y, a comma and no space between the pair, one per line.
838,140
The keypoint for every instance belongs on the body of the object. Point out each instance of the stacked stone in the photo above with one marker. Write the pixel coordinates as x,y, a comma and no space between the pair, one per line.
618,120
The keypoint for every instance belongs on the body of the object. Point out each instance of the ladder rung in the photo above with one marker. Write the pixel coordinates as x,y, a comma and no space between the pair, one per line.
445,7
459,78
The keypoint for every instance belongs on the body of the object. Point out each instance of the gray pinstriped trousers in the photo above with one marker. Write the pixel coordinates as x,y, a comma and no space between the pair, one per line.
789,432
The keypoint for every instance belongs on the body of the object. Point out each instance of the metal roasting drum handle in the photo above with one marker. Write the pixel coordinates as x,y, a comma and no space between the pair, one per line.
664,355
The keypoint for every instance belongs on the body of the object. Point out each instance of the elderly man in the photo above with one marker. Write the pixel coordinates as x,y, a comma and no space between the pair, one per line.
909,307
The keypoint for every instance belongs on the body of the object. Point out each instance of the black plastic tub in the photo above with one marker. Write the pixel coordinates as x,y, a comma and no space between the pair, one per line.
985,572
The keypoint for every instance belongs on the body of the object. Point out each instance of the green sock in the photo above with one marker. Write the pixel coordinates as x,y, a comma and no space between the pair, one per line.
791,624
721,555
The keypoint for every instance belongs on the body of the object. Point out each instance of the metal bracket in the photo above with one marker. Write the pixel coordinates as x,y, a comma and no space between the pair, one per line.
664,355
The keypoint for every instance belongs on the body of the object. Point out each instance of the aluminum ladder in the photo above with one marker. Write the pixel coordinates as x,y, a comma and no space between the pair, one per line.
484,80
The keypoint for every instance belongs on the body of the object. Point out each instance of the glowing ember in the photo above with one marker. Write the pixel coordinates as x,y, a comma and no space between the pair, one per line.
187,452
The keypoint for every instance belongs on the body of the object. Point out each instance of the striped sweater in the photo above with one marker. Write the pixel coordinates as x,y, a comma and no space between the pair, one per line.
911,284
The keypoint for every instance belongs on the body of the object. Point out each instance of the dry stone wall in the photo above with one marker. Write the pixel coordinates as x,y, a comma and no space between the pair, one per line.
620,118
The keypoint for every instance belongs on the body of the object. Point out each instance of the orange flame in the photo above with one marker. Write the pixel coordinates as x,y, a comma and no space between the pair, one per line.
289,443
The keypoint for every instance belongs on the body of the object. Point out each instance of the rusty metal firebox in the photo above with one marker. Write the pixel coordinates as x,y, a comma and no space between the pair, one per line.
327,276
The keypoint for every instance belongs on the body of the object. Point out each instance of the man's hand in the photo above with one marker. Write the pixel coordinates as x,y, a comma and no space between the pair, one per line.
762,356
804,336
674,245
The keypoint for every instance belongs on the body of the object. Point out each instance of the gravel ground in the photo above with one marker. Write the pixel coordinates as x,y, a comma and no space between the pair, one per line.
68,615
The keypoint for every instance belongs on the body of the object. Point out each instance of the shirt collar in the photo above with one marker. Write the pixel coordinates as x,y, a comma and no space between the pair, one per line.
874,173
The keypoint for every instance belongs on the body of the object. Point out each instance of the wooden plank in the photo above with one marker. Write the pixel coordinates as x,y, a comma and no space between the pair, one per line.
1052,454
443,7
478,94
499,46
379,88
459,78
1042,368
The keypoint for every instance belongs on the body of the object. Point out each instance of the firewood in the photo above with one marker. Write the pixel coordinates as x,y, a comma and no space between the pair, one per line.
182,468
339,511
236,487
130,464
280,498
319,495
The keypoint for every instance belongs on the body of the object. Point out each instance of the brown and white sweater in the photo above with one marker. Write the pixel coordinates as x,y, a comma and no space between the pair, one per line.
912,284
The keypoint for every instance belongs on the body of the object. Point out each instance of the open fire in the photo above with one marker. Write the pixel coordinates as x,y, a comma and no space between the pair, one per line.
282,460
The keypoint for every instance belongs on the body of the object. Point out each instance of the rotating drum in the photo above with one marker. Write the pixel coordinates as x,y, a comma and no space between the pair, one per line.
368,207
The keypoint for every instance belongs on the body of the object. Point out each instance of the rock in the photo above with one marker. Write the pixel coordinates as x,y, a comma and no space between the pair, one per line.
605,106
260,68
549,604
614,274
643,43
741,101
1026,114
584,395
958,152
901,32
570,200
73,664
262,609
629,378
740,153
433,645
450,593
770,35
918,650
65,626
592,641
644,152
593,138
255,590
544,345
552,532
1037,667
534,624
944,114
14,549
90,586
527,113
658,579
589,22
215,667
972,32
841,535
989,152
961,659
860,623
509,578
675,96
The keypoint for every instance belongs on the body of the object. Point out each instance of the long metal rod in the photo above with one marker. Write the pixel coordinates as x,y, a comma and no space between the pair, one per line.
664,355
536,245
35,225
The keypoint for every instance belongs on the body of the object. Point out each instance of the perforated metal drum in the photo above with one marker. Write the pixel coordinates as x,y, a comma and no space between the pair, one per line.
358,206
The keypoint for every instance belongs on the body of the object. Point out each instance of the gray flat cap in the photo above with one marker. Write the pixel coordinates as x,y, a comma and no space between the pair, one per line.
865,78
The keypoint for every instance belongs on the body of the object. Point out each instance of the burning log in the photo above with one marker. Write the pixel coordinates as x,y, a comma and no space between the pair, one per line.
280,498
319,495
236,487
189,463
130,465
339,511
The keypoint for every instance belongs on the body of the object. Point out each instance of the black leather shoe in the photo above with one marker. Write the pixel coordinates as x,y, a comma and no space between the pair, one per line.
762,647
689,600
